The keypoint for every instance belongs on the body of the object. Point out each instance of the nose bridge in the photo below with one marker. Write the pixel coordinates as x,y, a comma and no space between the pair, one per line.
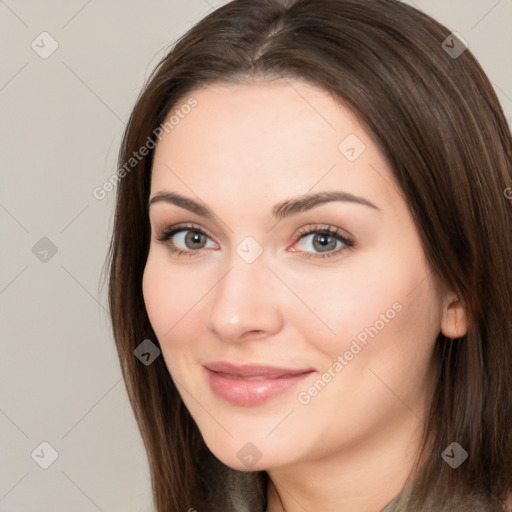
243,300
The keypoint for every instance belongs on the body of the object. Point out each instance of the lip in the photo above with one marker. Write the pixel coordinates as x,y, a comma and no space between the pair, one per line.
250,385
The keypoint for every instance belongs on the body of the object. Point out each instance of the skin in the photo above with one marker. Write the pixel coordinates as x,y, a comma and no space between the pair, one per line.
243,149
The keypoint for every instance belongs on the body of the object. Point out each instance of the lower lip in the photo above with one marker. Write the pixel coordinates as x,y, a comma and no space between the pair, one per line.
251,392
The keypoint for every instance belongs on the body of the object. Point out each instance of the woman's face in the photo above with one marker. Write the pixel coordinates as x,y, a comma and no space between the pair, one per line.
336,290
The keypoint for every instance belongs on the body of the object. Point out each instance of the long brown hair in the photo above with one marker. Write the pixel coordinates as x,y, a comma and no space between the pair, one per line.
438,122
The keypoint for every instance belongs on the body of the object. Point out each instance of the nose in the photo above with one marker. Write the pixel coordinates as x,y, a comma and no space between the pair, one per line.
245,302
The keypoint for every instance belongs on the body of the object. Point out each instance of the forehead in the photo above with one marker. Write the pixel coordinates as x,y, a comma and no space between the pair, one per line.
267,141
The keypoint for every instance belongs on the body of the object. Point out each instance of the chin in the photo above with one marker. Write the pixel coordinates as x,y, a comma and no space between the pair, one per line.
250,456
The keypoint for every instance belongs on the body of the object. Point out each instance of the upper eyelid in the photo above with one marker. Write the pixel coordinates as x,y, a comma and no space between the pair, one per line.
189,227
303,229
179,227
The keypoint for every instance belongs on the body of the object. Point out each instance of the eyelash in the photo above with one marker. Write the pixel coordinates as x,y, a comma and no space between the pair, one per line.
330,231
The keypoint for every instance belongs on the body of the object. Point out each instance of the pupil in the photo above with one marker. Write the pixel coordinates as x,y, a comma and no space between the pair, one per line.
324,241
193,238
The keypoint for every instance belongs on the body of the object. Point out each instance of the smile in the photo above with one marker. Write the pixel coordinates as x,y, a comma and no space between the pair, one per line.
251,385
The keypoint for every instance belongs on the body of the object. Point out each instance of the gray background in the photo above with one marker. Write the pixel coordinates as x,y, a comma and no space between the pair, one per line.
61,122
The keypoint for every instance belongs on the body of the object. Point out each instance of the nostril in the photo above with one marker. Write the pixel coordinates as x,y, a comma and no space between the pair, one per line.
257,333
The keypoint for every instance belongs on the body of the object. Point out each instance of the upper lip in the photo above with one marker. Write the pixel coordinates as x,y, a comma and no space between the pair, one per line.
254,370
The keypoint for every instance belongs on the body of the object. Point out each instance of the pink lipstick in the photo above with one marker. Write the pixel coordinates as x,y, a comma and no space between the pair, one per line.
250,385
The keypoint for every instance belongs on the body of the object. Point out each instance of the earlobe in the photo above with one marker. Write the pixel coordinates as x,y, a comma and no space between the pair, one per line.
454,323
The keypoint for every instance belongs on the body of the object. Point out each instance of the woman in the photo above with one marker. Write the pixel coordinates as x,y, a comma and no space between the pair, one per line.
314,230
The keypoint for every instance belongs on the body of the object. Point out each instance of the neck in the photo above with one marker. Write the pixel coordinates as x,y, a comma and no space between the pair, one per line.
364,477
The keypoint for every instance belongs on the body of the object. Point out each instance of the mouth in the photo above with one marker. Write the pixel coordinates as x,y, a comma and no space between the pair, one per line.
251,385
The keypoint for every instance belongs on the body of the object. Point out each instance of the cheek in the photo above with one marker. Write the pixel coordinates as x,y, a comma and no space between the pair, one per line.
168,296
387,304
343,303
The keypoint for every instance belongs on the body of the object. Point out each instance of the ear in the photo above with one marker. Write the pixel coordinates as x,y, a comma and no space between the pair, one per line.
454,322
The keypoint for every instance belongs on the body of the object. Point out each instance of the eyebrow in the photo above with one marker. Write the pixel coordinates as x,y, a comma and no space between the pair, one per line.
287,208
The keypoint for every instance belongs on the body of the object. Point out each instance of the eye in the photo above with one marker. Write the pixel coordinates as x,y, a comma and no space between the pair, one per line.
328,241
189,240
184,239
